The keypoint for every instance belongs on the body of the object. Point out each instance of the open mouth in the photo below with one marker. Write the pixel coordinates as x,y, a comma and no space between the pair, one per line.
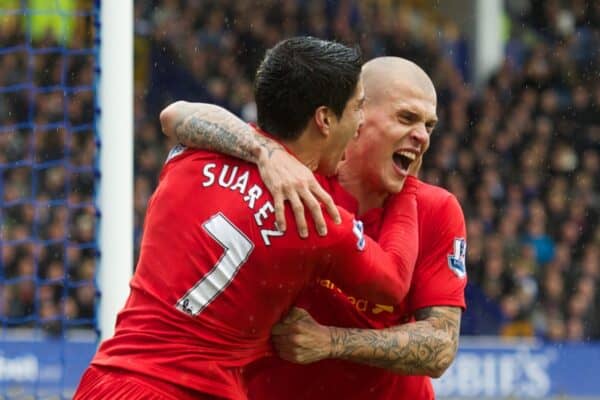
403,159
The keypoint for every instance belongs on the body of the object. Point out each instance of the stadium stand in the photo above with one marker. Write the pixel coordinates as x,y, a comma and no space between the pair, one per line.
47,167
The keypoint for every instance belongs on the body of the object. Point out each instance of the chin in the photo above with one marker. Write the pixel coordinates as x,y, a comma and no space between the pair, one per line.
395,186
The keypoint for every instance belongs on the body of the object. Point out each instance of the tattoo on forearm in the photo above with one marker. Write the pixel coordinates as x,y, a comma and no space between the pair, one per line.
195,131
425,347
269,145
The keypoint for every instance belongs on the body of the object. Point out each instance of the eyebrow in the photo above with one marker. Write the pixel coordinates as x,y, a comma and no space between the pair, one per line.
407,113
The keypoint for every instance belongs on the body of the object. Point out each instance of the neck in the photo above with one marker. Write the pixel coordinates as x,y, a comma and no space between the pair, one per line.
305,151
350,178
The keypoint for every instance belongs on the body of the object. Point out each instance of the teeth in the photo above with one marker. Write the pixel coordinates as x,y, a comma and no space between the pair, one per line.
408,154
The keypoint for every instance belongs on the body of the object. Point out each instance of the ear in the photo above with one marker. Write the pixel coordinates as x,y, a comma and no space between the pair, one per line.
323,119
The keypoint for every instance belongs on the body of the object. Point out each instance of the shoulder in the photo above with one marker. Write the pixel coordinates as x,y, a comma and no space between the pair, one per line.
340,196
349,231
185,158
441,220
436,202
182,154
205,170
432,196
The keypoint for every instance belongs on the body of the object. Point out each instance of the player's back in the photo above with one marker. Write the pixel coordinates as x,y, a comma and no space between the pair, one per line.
209,285
226,272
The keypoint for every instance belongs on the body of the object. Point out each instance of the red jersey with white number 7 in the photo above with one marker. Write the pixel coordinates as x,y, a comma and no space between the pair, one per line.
215,274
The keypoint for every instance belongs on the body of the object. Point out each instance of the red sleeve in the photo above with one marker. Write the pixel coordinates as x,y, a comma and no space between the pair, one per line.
440,274
380,272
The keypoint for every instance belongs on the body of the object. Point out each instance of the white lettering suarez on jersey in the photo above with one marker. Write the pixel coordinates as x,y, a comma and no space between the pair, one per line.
237,180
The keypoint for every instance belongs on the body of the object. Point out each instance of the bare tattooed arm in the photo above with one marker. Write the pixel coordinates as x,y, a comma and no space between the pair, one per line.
425,347
210,127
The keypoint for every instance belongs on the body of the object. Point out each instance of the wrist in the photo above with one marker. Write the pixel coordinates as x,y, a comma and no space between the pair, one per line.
334,347
260,155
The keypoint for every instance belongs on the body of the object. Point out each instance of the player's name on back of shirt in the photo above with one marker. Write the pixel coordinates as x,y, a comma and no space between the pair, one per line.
236,179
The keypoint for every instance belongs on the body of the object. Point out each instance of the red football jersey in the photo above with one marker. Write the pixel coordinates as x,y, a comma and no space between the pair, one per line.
439,280
215,275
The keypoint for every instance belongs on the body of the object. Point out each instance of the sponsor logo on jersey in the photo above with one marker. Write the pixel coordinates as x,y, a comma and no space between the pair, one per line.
359,231
361,305
456,260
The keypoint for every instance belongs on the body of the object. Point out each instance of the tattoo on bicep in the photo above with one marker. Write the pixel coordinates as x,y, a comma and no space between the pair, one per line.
225,138
426,346
200,133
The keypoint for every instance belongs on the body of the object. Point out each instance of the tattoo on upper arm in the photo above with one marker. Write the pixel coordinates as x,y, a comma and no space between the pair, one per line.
200,133
197,132
424,347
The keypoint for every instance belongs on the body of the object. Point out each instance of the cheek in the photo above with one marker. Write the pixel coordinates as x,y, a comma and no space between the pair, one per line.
398,133
378,164
427,143
354,123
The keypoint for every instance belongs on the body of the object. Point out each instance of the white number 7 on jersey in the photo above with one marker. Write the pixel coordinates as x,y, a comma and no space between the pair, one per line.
237,248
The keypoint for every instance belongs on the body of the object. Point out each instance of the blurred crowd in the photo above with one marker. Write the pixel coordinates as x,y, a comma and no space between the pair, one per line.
523,157
520,151
47,175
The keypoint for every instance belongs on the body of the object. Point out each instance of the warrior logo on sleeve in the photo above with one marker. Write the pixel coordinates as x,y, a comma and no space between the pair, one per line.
456,260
